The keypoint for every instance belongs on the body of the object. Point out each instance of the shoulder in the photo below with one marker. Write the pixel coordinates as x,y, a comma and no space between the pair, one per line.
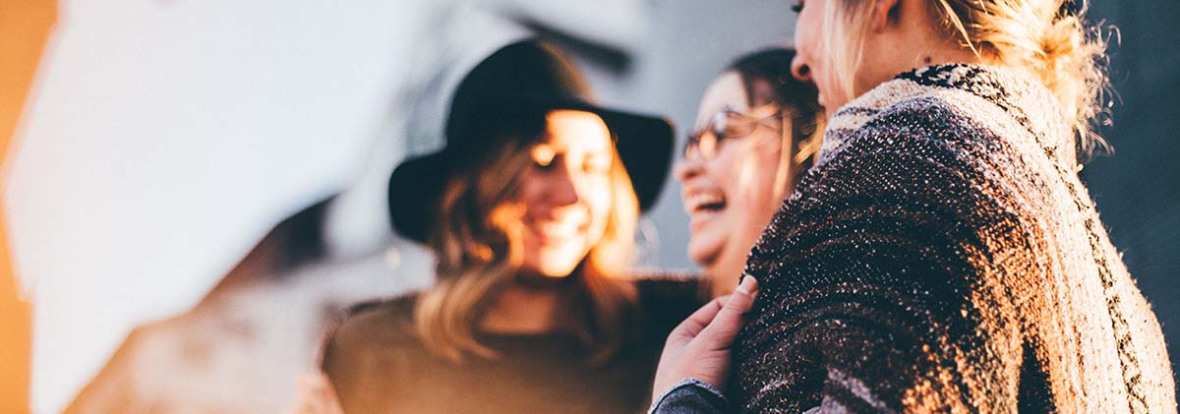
912,136
923,114
931,122
376,330
909,160
381,315
374,356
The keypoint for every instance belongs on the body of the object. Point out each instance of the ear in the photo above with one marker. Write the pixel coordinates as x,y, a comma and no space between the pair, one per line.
882,12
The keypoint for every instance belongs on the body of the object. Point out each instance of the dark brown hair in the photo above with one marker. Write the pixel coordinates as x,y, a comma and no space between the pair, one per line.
766,77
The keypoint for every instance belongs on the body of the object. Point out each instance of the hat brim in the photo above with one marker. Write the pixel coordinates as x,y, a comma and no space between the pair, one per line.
644,144
414,191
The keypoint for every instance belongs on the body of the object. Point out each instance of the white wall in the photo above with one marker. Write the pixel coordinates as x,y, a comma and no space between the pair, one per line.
165,138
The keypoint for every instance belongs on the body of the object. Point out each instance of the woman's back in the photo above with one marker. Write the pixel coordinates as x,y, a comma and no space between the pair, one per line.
943,253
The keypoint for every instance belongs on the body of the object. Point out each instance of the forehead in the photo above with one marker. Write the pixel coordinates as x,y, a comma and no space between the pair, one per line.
572,130
725,92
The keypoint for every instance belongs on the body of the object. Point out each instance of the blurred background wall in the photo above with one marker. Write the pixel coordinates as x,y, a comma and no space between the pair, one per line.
164,138
1138,187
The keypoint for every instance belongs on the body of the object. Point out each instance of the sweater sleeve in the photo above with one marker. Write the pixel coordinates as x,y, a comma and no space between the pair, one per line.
878,289
691,396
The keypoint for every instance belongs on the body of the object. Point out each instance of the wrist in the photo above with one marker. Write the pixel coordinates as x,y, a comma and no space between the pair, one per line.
692,391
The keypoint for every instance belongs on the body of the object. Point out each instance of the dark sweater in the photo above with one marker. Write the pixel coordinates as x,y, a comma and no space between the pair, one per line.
377,364
944,256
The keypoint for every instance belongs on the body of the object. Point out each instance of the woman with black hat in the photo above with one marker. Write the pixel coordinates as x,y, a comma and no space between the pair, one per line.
531,210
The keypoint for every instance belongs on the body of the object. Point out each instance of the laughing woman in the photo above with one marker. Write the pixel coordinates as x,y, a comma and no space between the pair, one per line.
942,255
758,130
531,209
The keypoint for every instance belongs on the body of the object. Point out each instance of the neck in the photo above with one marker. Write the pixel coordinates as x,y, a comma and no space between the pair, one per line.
528,309
725,270
934,52
916,38
945,57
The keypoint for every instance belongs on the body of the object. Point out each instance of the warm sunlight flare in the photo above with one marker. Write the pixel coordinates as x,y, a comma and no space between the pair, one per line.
24,29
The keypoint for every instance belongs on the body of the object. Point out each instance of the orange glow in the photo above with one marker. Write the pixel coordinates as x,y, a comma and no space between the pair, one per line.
25,26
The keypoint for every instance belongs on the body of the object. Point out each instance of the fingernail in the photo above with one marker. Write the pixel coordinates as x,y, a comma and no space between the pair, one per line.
748,286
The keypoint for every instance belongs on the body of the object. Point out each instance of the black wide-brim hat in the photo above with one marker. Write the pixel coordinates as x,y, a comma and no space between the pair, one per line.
518,84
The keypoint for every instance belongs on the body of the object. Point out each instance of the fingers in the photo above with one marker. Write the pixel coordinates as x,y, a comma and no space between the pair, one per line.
742,300
727,322
693,325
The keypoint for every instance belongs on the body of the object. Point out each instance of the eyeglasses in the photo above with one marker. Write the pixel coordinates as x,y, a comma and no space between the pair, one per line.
730,124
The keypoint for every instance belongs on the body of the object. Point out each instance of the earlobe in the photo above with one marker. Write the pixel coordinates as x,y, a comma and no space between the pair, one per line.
883,12
800,70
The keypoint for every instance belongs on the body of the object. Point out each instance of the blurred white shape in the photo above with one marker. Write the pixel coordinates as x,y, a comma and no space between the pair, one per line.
166,137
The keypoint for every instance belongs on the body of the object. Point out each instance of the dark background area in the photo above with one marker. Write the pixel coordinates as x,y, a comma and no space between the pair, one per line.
1138,187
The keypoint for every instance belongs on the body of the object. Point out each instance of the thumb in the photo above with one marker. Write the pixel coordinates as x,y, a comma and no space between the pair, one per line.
725,326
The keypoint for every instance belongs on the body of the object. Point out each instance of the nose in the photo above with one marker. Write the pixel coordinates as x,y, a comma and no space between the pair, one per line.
688,168
563,191
800,70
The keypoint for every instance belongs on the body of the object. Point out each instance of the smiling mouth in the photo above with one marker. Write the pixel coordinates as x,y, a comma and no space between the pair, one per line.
556,232
557,229
705,203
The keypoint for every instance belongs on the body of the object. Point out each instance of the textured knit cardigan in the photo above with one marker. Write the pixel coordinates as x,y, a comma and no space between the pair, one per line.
944,256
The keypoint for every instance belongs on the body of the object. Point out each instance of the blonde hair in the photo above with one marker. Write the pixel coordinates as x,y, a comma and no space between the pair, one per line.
1040,37
478,243
806,136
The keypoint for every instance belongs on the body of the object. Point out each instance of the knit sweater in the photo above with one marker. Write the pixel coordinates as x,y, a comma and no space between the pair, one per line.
944,256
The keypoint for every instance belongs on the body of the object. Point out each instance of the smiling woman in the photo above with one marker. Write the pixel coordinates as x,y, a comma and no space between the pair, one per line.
515,230
566,193
759,130
531,209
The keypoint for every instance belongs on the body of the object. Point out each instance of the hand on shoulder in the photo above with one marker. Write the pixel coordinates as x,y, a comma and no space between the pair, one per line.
699,348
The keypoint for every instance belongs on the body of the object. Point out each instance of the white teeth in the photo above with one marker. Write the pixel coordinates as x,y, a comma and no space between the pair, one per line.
558,229
695,202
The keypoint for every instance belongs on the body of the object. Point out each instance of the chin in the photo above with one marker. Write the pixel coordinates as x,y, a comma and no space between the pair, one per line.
702,252
555,274
557,263
541,271
553,271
